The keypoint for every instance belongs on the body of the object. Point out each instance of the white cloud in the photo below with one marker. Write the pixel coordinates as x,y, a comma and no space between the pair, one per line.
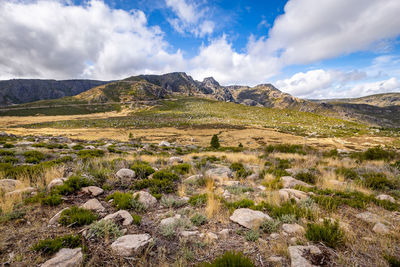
190,18
335,84
55,40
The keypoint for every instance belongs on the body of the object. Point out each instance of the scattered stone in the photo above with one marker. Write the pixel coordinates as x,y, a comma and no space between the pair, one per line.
130,245
8,185
386,197
368,217
253,176
93,204
293,241
274,236
211,236
380,228
287,194
193,178
290,182
66,257
189,233
249,218
261,187
292,228
56,182
146,199
173,160
219,174
93,190
164,143
230,183
19,192
296,255
170,220
275,259
55,218
121,215
126,174
224,233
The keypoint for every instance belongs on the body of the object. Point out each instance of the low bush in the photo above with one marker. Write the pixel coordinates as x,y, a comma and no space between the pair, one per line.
71,185
170,230
12,215
78,147
8,145
376,180
329,233
240,170
6,153
162,182
376,153
252,235
198,200
106,229
51,200
347,173
182,168
393,261
198,219
75,216
287,148
307,177
33,156
137,219
142,169
231,259
172,202
270,226
238,189
90,153
122,201
9,159
52,245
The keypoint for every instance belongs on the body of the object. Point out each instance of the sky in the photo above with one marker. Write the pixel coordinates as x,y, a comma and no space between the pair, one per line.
308,48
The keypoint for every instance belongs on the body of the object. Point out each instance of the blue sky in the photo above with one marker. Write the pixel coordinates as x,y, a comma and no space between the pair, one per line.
309,48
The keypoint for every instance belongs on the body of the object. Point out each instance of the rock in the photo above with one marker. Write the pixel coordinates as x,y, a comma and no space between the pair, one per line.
123,215
66,257
254,176
170,220
56,182
275,259
287,194
146,199
292,228
125,174
219,174
193,178
55,218
211,236
293,241
189,233
93,190
368,217
8,185
164,143
93,204
173,160
274,236
19,192
386,197
380,228
249,218
224,233
261,187
296,255
230,183
290,182
130,245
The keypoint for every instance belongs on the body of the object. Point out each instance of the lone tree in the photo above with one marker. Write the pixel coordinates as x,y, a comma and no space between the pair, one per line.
215,141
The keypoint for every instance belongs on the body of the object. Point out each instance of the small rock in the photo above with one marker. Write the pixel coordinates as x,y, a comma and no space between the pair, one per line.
380,228
292,228
193,178
253,176
368,217
66,257
19,192
123,215
211,236
261,187
219,174
275,259
189,233
293,241
224,233
249,218
146,199
93,190
125,174
130,245
287,194
170,220
173,160
56,182
164,143
290,182
8,185
296,255
274,236
386,197
93,204
56,217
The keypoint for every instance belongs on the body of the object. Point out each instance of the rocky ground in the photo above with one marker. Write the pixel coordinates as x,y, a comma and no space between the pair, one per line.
110,203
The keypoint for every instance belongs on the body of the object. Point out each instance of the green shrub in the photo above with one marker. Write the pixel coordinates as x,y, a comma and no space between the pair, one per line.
286,148
240,170
122,201
8,145
78,147
170,230
171,202
377,181
165,175
238,189
136,205
6,153
105,229
137,219
198,200
347,173
52,245
77,217
307,177
231,259
71,185
9,159
270,226
392,260
142,169
198,219
215,142
329,233
162,182
90,153
252,235
12,215
100,175
376,153
51,200
34,154
182,168
274,184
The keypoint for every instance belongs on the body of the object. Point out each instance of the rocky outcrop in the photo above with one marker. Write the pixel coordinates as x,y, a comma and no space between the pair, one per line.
249,218
130,245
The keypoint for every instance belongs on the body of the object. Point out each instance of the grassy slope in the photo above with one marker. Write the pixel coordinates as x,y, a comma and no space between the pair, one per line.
197,112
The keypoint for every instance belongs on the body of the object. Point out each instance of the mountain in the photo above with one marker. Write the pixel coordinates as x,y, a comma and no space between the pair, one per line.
20,91
379,100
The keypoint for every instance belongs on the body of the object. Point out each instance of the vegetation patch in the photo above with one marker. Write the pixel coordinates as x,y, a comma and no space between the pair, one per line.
230,258
329,233
52,245
106,229
75,217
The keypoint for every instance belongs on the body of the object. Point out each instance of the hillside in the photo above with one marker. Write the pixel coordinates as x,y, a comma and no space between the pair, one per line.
379,100
18,91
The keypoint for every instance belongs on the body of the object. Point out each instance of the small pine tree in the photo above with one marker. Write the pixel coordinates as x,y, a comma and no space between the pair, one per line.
240,145
215,142
130,135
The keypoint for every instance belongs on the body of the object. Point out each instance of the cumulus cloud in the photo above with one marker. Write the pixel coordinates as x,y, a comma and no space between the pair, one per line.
335,84
57,40
190,18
